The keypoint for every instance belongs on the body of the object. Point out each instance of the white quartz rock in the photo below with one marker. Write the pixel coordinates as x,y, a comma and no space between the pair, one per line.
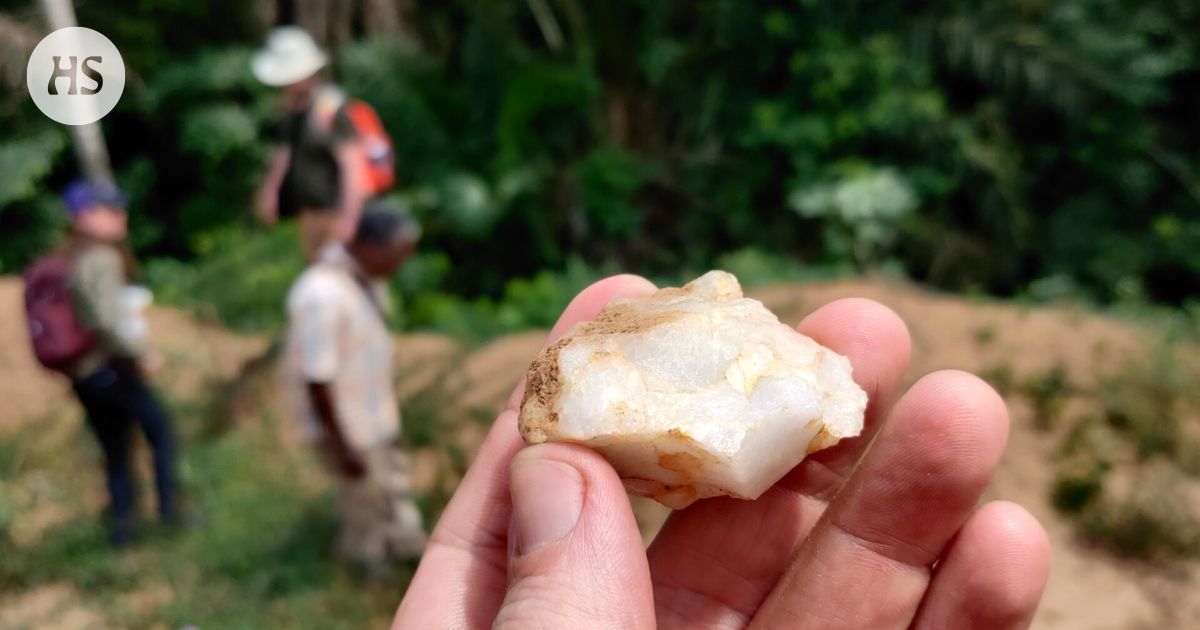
692,393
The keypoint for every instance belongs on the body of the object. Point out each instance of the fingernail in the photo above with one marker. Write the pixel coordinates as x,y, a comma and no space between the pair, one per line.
547,499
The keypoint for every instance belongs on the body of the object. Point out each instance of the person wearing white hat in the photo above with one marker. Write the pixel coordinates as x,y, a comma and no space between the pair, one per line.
312,173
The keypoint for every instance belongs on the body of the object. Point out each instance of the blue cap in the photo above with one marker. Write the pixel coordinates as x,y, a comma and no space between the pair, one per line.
83,194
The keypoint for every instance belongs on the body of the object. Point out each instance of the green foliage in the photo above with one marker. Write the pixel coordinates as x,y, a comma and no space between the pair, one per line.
985,335
1123,478
609,180
863,211
467,205
1152,400
545,112
239,281
25,162
1075,489
26,210
214,133
416,105
1048,391
755,267
1149,522
258,557
1000,377
1014,148
525,303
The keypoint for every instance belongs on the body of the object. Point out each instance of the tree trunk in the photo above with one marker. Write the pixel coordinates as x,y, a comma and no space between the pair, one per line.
88,140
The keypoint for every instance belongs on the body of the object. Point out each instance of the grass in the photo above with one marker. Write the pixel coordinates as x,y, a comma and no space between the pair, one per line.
1048,391
259,557
240,283
985,335
1000,377
1149,400
1149,521
1078,486
433,420
1123,477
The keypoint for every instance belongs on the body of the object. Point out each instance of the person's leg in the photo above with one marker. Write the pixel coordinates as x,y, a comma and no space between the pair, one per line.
360,541
110,425
403,525
142,404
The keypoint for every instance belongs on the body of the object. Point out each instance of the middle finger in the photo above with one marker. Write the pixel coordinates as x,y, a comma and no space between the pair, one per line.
714,562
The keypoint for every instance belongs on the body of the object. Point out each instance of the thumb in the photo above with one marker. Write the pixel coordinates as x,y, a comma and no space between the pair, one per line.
576,558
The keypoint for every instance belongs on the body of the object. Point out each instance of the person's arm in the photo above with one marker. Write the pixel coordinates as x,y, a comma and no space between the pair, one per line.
267,202
348,460
352,190
96,289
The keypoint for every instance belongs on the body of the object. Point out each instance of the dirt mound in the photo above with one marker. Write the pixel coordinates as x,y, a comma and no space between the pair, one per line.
981,336
28,391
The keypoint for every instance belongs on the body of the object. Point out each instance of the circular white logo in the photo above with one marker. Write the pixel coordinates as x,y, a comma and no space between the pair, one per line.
75,75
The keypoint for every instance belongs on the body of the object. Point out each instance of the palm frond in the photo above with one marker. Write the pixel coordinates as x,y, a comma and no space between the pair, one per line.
1020,58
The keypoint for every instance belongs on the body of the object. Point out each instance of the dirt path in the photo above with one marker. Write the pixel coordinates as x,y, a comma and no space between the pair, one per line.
28,392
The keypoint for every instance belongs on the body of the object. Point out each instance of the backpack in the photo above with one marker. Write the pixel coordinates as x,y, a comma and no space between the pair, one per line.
377,164
58,339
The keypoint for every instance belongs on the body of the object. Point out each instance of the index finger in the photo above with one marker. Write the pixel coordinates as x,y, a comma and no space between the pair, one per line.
462,576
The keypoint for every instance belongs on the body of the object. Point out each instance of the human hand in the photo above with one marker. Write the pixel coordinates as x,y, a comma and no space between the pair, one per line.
543,536
350,463
266,206
150,363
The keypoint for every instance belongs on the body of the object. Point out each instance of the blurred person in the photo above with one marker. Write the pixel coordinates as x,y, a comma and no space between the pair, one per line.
338,368
85,321
332,152
885,530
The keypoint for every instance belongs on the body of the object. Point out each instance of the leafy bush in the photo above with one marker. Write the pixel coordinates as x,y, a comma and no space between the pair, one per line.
754,267
27,211
526,303
864,210
609,180
240,280
1014,150
1048,391
1151,399
1122,477
1078,486
1000,377
1150,521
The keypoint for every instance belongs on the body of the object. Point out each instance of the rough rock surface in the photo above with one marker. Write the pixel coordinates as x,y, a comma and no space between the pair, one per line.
692,393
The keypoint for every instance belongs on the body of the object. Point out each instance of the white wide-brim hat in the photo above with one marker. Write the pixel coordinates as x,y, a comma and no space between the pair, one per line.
290,56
